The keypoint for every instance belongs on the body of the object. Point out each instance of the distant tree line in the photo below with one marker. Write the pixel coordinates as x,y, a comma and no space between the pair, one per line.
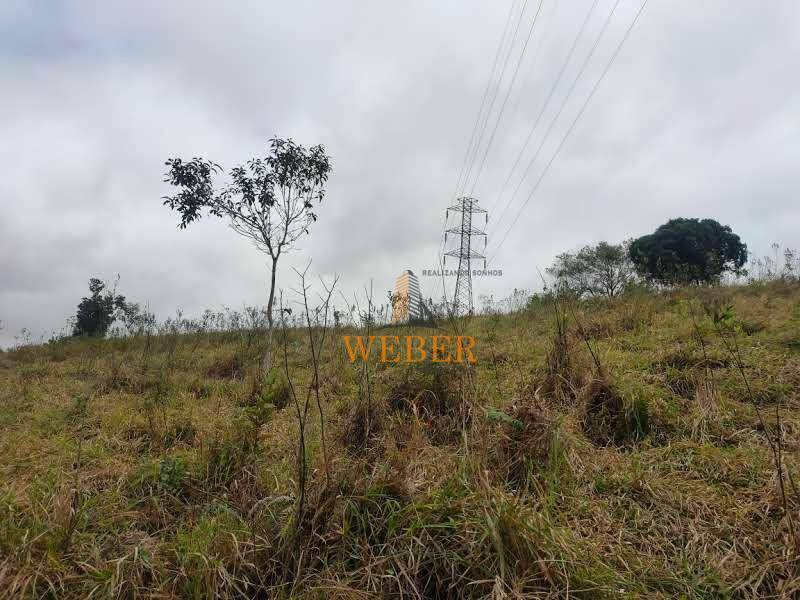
680,252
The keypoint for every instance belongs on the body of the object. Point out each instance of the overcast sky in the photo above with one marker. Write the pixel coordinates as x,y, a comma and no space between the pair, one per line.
699,116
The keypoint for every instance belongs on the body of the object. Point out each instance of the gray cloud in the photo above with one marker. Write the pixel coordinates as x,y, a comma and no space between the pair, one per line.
696,118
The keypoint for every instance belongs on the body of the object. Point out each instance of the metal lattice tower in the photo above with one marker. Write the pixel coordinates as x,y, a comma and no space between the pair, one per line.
462,297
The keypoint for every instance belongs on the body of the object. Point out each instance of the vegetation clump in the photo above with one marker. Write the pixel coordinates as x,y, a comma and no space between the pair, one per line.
525,441
436,393
267,393
229,366
362,426
605,418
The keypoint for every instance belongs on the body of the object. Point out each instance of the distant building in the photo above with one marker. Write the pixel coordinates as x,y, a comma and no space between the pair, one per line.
406,300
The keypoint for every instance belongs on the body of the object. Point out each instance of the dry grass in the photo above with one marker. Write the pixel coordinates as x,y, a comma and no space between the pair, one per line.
168,470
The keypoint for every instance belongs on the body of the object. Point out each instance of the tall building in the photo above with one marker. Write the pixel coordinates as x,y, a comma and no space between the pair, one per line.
406,300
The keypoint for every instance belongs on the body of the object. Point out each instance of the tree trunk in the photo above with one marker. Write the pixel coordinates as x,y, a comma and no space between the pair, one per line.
271,300
265,363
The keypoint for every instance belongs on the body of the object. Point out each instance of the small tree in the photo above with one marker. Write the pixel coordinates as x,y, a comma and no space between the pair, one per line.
97,312
137,320
685,251
270,200
601,270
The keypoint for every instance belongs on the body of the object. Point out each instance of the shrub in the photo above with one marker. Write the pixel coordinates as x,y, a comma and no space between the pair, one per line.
170,475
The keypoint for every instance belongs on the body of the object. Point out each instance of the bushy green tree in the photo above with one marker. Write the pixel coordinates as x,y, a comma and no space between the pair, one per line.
97,312
688,251
601,270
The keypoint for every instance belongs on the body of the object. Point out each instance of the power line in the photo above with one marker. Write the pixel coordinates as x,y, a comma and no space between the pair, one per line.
488,114
496,61
485,95
538,50
508,93
463,288
574,122
547,101
555,118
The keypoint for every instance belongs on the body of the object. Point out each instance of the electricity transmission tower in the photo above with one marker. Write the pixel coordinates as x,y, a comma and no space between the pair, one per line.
462,297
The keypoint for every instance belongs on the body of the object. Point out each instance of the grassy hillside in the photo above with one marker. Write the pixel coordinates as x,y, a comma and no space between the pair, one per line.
618,454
